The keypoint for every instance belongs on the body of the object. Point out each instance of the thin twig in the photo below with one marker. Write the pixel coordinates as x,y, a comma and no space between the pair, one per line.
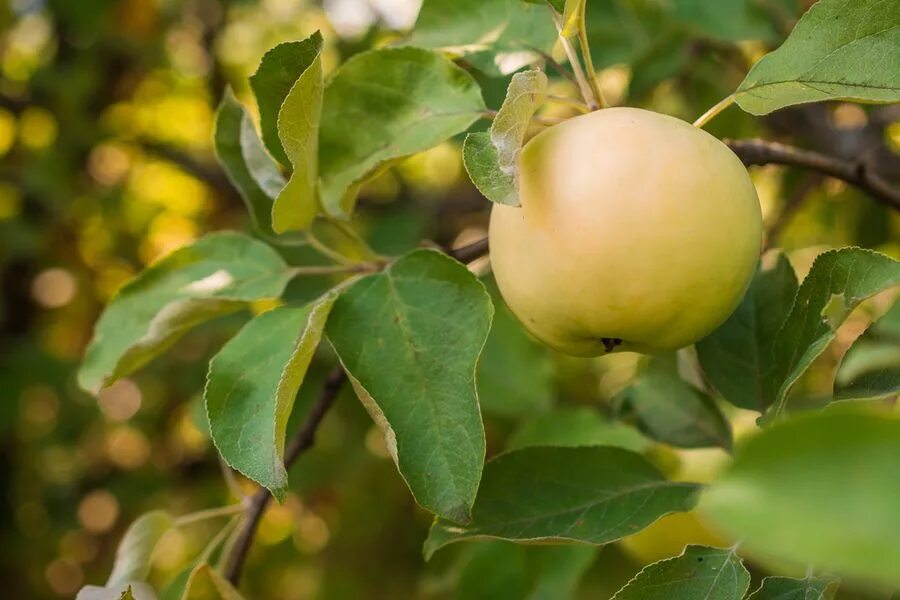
210,513
576,104
588,60
303,440
334,269
761,152
555,64
470,252
583,84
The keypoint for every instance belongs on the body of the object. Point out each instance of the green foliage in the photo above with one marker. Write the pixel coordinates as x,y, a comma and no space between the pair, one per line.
384,105
818,489
492,158
871,367
839,50
252,384
215,276
700,572
737,357
670,410
585,494
576,427
427,317
205,583
732,20
786,588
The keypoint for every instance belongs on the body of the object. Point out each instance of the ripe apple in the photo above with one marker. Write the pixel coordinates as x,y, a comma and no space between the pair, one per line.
636,231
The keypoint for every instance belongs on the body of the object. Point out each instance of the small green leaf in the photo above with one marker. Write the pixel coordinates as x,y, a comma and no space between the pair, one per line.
786,588
672,411
576,427
298,129
214,276
278,71
587,494
737,357
252,384
492,158
818,489
871,367
249,168
387,104
699,572
839,50
410,337
497,36
206,583
136,548
838,281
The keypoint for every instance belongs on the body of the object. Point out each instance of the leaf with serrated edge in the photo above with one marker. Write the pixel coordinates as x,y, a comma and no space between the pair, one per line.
737,357
787,588
216,275
839,50
409,338
816,489
251,388
206,583
245,161
278,70
699,572
492,158
298,129
386,104
871,367
838,281
588,494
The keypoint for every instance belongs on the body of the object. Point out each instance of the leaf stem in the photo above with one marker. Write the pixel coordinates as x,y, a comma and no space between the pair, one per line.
326,251
718,107
210,513
334,269
577,104
586,56
583,85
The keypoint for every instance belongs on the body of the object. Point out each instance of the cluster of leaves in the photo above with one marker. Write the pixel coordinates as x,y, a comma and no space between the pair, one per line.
409,330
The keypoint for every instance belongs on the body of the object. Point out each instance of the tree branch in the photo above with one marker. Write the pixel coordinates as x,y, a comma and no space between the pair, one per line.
302,441
470,252
855,172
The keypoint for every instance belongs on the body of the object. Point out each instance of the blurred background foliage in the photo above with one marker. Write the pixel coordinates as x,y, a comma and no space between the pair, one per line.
106,112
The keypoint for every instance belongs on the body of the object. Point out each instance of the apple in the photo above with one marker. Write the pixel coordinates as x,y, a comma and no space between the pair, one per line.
636,231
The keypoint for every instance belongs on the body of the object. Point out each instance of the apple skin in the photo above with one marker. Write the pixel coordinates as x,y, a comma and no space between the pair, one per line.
633,226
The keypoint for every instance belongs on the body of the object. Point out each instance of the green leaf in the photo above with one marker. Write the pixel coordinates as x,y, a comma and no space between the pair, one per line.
573,17
207,584
387,104
871,367
492,158
136,548
249,168
214,276
838,281
496,569
818,489
737,357
298,129
700,572
276,75
252,384
728,20
672,411
410,337
587,494
786,588
576,427
497,36
839,50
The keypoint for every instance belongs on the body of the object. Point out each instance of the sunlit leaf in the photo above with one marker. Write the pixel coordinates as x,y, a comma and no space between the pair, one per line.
838,281
786,588
586,494
252,384
819,489
492,158
386,104
738,357
409,337
573,17
136,548
298,129
214,276
576,427
206,583
839,50
276,75
700,572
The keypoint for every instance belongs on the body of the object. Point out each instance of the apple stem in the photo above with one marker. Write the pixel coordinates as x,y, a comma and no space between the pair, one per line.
576,104
583,85
588,61
718,107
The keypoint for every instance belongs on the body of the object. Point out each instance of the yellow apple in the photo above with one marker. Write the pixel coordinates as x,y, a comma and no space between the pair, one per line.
636,231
